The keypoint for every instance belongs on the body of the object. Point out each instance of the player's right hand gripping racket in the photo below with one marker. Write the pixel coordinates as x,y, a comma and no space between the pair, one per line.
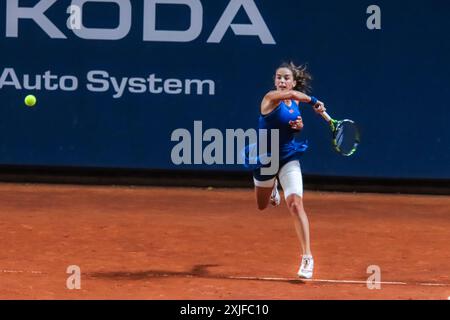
346,136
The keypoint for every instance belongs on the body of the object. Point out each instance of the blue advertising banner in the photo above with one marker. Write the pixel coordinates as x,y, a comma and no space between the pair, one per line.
115,80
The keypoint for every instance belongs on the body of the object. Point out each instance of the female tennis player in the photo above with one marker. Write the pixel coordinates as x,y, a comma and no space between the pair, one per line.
280,110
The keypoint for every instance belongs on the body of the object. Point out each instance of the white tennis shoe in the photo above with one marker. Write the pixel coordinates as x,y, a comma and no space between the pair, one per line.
275,198
306,267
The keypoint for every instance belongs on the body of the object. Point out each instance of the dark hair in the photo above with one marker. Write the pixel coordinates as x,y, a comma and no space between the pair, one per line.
301,76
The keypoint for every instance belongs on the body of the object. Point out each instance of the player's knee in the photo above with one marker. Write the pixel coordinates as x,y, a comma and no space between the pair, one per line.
296,209
295,204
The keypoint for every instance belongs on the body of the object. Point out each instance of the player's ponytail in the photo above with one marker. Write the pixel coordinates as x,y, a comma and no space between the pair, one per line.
301,76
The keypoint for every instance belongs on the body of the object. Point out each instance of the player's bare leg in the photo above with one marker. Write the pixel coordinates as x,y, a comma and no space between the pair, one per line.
263,197
266,196
301,222
295,205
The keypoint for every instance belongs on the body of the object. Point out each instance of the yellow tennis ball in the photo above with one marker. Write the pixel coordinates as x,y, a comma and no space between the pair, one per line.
30,100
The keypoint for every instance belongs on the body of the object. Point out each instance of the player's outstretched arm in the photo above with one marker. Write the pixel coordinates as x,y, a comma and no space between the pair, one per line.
277,96
273,98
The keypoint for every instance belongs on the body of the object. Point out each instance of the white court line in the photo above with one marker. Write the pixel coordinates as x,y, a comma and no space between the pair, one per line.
434,284
314,280
20,271
338,281
355,281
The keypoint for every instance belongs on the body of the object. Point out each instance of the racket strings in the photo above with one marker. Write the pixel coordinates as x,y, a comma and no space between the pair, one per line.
346,137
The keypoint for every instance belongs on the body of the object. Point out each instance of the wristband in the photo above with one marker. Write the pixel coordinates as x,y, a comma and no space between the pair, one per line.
313,101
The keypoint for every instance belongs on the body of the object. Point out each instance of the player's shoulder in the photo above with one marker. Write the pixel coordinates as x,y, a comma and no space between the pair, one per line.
269,97
268,104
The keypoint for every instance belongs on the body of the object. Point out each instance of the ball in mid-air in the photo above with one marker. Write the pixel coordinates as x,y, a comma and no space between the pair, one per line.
30,100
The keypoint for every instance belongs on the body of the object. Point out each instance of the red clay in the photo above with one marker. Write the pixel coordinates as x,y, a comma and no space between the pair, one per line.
181,243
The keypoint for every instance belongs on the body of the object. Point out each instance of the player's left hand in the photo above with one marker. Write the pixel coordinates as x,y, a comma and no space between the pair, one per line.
297,124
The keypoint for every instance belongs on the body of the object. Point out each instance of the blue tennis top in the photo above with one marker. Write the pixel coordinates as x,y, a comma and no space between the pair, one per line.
279,119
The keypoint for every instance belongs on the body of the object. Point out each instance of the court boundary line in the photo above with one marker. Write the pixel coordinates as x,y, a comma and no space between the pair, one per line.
21,271
340,281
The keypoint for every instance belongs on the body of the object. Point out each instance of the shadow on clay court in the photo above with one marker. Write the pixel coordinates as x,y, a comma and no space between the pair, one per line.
197,271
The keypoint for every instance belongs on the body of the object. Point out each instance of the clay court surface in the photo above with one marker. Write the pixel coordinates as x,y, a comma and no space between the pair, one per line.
193,243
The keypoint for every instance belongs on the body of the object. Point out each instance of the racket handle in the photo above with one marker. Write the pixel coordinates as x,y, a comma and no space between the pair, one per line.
326,116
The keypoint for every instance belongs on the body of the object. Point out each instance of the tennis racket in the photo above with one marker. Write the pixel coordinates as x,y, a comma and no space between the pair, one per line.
346,136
